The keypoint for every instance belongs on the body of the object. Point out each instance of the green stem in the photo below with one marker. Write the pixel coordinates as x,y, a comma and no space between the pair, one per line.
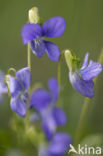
11,70
59,75
85,109
29,56
82,119
59,72
29,65
17,129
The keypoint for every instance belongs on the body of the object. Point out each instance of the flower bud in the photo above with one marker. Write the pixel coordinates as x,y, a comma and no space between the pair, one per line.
34,16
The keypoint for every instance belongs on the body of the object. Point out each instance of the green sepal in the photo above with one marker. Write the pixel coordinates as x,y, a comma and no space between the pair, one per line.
73,62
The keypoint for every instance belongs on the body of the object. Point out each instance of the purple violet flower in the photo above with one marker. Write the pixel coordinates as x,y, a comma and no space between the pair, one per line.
58,146
45,103
3,86
82,81
35,34
18,87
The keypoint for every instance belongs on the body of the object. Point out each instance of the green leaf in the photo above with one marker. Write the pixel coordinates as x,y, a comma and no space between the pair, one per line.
93,140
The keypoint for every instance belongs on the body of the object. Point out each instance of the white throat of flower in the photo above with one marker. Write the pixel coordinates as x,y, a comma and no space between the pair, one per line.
38,41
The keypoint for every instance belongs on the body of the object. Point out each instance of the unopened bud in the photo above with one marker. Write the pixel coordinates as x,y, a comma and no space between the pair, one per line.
34,16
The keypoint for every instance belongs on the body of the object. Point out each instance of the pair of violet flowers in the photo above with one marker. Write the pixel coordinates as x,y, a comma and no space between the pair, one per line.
55,27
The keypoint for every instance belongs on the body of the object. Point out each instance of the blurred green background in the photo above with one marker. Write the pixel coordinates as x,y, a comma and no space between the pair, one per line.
84,32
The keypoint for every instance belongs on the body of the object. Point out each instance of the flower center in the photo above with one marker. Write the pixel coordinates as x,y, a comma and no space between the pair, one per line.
24,97
38,41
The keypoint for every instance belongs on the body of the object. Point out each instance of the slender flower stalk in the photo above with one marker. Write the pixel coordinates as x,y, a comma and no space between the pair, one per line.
11,70
59,75
29,57
59,71
29,65
59,80
84,113
85,108
33,17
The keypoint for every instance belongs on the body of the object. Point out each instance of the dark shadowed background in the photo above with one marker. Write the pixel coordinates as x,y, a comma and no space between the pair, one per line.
84,32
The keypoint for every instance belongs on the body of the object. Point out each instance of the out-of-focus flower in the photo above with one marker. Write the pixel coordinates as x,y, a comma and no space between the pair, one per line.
18,87
82,79
35,117
3,86
58,146
45,103
34,33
